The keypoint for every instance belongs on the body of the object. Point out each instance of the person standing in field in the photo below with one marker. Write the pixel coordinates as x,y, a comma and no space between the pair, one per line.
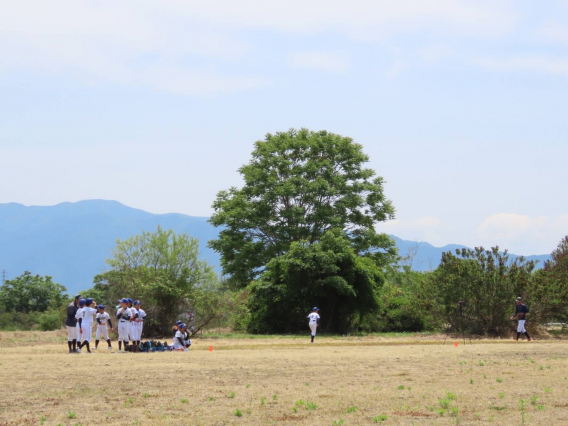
71,324
123,316
314,322
521,312
85,320
103,318
138,323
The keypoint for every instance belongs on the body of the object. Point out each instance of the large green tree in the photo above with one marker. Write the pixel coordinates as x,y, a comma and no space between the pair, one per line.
163,270
31,293
297,186
487,282
328,273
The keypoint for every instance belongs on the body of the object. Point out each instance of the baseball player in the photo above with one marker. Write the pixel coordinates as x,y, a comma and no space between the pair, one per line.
102,319
123,316
314,322
138,323
71,324
520,314
132,317
85,320
78,315
180,339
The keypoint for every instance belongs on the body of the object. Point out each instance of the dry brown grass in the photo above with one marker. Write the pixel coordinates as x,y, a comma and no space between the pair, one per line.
286,382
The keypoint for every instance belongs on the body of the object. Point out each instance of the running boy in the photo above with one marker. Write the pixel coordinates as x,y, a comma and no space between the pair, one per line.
314,322
103,318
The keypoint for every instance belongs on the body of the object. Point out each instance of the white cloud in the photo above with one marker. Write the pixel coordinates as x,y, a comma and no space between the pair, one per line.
539,63
324,61
155,44
522,234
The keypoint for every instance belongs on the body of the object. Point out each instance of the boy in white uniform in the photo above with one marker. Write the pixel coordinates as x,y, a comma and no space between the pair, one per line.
131,324
314,322
179,339
79,314
138,323
103,318
85,321
123,316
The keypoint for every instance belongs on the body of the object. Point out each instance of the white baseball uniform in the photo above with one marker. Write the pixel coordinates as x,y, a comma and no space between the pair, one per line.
102,327
138,324
87,321
177,344
123,323
78,315
313,317
71,333
521,327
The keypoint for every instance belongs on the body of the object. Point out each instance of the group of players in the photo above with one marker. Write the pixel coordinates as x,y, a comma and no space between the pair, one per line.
82,313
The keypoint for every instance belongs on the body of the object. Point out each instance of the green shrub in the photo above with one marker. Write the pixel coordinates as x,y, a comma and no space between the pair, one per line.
50,320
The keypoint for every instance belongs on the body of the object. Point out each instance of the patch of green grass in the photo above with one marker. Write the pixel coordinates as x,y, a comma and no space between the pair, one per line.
262,401
238,413
540,407
471,381
145,395
311,406
232,395
379,418
211,398
454,411
531,360
499,380
275,397
295,409
248,385
42,419
547,390
401,387
534,399
351,409
481,363
299,403
541,367
184,400
71,414
501,395
444,403
338,422
450,396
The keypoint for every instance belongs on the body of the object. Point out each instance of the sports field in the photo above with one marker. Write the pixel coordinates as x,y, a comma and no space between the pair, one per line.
391,380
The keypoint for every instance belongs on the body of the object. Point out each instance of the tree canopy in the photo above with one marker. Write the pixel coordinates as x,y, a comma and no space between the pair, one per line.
162,269
327,273
297,186
31,293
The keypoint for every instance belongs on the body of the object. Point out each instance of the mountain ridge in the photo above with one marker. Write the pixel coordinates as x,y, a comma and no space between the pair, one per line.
51,240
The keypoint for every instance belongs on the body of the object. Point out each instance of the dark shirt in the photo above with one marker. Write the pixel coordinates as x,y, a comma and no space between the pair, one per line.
523,310
72,309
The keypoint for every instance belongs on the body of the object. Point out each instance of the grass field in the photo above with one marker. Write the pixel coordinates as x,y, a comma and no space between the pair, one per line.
388,380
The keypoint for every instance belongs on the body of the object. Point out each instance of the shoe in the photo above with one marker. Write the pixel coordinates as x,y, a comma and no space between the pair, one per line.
95,348
529,339
120,351
516,340
79,351
109,348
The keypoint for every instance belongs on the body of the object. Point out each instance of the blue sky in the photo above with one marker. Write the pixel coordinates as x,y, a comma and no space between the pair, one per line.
461,105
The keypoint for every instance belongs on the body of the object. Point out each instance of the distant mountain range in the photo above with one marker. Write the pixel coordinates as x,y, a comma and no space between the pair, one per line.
70,241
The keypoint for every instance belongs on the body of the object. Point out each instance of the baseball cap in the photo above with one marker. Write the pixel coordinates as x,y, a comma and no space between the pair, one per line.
182,325
179,322
101,306
122,301
129,300
315,308
81,302
89,300
137,302
77,296
519,298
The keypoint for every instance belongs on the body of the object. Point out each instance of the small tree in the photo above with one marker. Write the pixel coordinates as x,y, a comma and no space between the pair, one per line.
487,281
31,293
550,286
160,268
328,274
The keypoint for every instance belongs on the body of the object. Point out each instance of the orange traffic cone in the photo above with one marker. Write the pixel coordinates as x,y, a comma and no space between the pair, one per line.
456,344
210,348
